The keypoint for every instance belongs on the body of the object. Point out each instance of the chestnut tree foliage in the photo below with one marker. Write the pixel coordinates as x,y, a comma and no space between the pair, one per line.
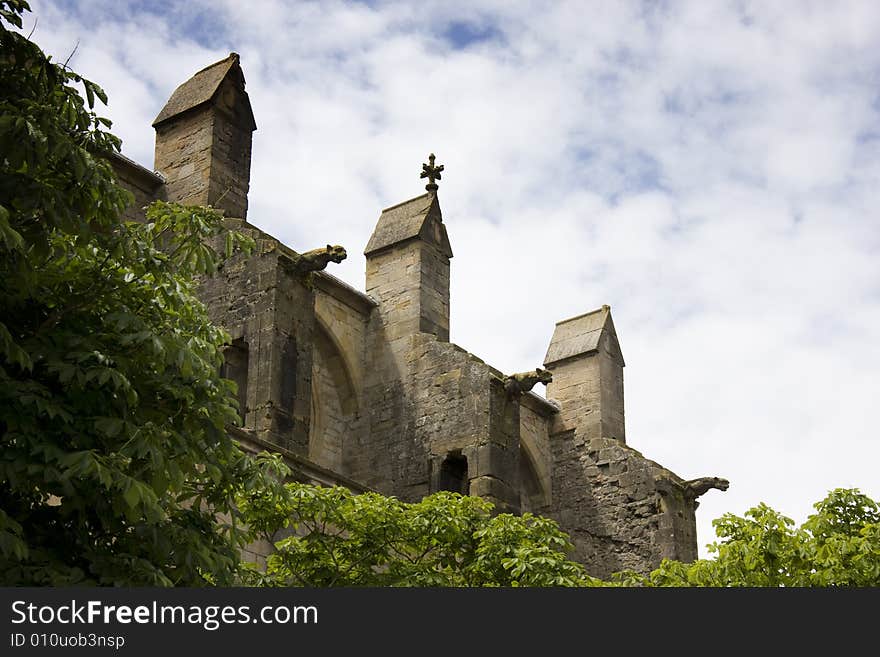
115,465
332,537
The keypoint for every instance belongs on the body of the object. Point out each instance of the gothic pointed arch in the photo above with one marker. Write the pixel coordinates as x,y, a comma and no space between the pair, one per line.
334,403
534,488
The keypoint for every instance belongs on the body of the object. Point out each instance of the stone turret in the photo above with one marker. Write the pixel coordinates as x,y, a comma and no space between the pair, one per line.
408,269
203,139
587,365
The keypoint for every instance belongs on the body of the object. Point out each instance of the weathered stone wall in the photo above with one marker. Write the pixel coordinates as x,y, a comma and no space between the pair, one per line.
393,278
231,141
330,421
344,312
408,269
336,387
203,139
587,365
389,413
611,388
589,390
678,521
293,335
434,292
426,400
378,453
338,372
536,456
497,468
607,497
144,185
183,156
461,407
271,311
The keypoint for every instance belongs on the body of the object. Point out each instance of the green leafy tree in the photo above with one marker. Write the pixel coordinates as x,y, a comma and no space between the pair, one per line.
332,537
838,545
115,464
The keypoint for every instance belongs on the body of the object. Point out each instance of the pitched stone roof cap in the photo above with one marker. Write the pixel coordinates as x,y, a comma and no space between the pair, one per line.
406,221
199,89
581,335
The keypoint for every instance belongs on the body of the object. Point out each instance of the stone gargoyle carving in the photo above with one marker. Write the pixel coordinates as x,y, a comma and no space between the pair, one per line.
696,487
692,489
517,384
317,259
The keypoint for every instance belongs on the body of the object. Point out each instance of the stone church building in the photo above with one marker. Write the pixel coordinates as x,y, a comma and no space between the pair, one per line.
365,390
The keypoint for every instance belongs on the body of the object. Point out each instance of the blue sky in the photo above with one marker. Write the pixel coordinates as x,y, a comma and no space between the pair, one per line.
710,170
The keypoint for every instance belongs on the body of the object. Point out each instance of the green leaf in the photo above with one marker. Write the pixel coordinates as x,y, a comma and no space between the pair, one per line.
132,495
11,238
109,426
12,352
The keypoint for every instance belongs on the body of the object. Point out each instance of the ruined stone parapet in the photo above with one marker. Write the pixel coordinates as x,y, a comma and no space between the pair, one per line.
622,510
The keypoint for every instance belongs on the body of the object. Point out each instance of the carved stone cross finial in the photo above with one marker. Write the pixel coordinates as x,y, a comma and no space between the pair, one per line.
432,173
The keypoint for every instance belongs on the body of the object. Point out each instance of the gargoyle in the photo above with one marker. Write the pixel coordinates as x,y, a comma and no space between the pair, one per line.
697,487
516,384
317,259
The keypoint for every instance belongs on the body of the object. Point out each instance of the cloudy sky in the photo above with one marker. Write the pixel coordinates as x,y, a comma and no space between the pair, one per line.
708,169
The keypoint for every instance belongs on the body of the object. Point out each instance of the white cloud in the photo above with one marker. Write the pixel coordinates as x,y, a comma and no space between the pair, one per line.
708,169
